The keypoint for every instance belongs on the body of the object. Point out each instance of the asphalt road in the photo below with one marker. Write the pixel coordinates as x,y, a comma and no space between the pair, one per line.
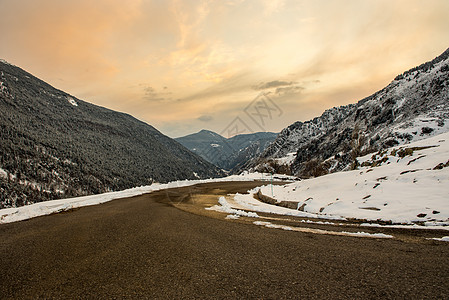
143,247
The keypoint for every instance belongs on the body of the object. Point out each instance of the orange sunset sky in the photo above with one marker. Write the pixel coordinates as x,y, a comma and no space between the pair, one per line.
182,66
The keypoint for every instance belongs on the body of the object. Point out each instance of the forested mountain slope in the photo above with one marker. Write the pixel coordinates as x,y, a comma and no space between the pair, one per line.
227,153
53,145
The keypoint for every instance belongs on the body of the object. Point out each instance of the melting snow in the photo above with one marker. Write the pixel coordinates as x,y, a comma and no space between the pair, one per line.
321,231
443,239
226,207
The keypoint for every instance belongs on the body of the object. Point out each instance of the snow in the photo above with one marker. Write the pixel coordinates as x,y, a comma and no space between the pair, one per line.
225,207
247,201
270,225
72,101
400,103
321,231
266,176
2,87
427,226
8,215
414,127
402,190
286,160
443,239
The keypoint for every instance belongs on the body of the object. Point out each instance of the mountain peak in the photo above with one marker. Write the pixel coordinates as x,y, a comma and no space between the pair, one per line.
206,131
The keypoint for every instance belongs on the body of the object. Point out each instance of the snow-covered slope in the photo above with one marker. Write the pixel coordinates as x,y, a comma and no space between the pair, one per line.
414,106
402,184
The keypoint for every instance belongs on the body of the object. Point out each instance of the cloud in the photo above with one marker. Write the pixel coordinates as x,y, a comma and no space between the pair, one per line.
280,87
289,90
272,84
205,118
152,95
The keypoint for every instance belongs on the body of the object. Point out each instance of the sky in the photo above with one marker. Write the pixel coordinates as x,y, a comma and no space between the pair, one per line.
231,66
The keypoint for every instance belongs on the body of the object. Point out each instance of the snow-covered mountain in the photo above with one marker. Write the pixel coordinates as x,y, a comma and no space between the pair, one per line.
403,184
227,153
53,145
414,106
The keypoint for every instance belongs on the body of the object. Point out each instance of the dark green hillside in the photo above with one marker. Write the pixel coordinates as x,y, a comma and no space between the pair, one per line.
227,153
50,148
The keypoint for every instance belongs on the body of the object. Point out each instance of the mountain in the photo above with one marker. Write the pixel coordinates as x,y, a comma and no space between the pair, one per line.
405,184
414,106
227,153
53,145
209,145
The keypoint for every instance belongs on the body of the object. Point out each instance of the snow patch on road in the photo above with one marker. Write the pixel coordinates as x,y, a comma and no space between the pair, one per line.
225,207
443,239
320,231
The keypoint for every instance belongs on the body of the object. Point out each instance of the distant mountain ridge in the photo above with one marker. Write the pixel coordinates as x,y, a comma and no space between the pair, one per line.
415,105
227,153
53,145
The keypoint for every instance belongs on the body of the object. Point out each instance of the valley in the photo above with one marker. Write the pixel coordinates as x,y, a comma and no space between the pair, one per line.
323,201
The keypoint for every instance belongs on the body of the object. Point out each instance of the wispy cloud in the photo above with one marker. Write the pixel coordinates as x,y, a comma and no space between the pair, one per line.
152,95
272,84
289,90
205,118
280,87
